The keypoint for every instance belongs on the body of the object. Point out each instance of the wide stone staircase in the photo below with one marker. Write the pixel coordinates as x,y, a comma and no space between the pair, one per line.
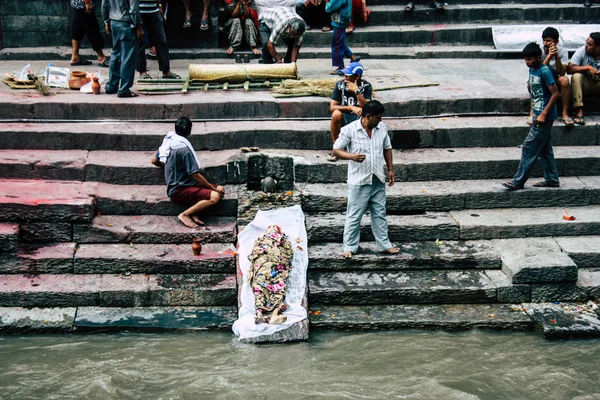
89,239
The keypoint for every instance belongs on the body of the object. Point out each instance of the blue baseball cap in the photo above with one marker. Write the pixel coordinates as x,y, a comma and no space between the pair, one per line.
354,68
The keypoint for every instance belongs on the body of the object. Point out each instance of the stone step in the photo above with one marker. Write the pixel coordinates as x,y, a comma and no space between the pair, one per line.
37,200
457,195
149,200
67,202
9,237
465,225
133,258
584,250
401,287
153,259
153,229
137,290
526,222
155,318
587,287
413,256
490,131
448,164
234,167
446,317
566,320
44,320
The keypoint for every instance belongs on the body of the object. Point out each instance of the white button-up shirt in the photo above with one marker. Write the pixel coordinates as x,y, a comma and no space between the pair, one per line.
354,139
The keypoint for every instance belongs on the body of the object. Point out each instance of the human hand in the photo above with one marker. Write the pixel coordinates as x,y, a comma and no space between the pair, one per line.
107,28
139,32
553,50
89,8
356,110
358,157
221,190
391,177
541,119
352,86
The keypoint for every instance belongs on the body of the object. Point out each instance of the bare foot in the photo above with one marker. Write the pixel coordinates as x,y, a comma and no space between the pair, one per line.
255,51
347,254
392,250
197,220
230,51
187,221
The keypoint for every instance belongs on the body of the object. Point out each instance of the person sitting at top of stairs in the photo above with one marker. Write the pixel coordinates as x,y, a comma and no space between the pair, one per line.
366,176
434,4
538,143
347,100
204,22
241,24
185,184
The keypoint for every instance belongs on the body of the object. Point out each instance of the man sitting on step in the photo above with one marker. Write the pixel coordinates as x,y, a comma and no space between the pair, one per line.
349,96
585,67
367,145
185,184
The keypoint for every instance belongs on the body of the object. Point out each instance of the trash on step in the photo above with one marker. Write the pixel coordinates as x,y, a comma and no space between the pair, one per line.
568,217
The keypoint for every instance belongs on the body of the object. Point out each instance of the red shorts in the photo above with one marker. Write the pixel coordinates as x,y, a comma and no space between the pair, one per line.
188,196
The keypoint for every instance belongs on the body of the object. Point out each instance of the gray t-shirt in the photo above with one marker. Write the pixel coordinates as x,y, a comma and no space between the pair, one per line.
582,59
563,54
179,168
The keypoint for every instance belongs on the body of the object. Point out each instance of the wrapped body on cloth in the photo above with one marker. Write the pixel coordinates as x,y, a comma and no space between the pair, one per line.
271,262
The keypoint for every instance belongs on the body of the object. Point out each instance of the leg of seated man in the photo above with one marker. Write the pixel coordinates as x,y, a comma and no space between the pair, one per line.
198,199
337,121
565,95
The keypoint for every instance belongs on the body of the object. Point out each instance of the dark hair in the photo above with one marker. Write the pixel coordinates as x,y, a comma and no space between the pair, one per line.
595,37
298,25
373,107
183,126
551,33
532,50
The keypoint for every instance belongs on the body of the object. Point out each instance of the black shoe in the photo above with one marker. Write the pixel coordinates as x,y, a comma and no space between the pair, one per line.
588,3
437,5
409,7
356,59
338,72
238,58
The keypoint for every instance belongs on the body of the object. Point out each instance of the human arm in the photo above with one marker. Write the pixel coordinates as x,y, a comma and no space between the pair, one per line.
202,182
295,52
341,145
89,6
105,16
156,162
561,58
335,105
389,163
578,64
273,52
363,94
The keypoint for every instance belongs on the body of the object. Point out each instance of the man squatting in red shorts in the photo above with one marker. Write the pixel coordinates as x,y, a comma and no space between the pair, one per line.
185,184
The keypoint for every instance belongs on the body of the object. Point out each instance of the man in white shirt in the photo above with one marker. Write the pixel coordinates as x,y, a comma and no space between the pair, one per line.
367,146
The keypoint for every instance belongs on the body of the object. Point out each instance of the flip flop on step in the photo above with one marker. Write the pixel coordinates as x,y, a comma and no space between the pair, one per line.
187,23
579,120
568,121
511,185
105,63
204,25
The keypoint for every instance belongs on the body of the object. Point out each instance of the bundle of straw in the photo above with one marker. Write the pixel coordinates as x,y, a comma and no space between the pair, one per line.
305,87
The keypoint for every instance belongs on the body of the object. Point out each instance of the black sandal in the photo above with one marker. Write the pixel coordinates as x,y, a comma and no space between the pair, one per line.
409,7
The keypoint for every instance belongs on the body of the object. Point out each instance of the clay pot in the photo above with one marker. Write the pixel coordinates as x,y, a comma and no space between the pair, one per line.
78,79
196,247
95,86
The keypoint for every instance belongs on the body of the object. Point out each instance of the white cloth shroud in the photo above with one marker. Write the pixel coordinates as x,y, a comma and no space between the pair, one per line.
174,141
291,221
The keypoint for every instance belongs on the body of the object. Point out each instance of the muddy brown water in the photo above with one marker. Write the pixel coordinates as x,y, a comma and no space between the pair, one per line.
333,365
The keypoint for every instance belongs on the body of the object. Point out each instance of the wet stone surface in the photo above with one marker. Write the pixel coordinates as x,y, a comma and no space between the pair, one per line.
565,320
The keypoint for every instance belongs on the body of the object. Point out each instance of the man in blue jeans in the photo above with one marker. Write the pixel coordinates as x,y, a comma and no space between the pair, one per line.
367,145
122,20
538,143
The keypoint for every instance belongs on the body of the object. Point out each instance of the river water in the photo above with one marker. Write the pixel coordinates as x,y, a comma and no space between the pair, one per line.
333,365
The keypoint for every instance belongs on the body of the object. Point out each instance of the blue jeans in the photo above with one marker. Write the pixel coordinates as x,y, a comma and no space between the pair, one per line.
339,49
537,144
123,58
359,198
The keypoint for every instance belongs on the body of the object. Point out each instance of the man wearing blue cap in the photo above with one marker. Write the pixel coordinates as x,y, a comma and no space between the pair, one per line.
349,96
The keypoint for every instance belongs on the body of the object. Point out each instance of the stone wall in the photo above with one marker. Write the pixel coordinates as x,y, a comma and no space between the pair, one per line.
38,23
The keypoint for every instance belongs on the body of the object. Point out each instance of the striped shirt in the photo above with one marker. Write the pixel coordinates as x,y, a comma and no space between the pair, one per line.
278,19
354,139
148,6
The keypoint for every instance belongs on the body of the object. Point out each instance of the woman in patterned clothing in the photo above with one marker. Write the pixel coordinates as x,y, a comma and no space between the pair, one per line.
242,23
